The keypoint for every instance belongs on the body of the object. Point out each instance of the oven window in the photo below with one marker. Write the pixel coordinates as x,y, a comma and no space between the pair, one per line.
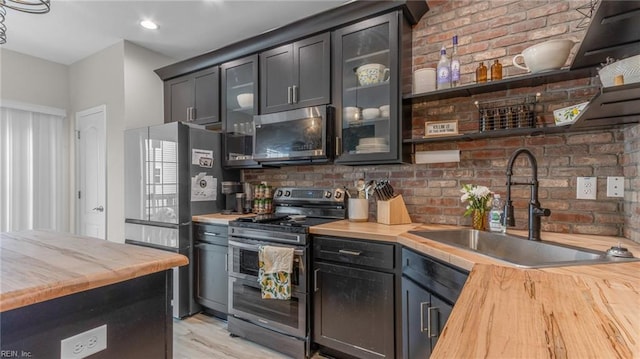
247,299
248,262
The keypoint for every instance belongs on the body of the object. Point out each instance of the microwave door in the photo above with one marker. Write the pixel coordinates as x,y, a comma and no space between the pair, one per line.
297,134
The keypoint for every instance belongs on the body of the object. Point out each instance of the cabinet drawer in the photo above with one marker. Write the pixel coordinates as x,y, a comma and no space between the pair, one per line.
440,278
212,233
358,252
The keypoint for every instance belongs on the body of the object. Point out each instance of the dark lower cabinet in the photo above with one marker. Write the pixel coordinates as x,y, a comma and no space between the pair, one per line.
429,291
424,317
211,272
354,305
211,276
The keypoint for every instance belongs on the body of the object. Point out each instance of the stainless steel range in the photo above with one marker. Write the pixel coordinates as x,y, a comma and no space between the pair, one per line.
283,325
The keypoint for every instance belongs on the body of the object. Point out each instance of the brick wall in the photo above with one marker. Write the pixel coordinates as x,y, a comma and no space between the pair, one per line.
488,30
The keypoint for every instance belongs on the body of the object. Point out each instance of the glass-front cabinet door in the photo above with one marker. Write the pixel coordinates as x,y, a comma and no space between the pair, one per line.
239,105
366,91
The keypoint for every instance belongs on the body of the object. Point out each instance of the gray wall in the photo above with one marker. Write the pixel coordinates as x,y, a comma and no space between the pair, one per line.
122,78
32,80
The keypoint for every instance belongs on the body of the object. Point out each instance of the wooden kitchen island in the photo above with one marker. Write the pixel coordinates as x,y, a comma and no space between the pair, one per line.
56,285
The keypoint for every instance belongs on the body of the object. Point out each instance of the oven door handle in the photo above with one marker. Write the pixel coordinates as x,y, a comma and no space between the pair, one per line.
254,247
258,235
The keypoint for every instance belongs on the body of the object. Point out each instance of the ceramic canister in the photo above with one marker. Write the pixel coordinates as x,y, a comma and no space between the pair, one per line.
424,80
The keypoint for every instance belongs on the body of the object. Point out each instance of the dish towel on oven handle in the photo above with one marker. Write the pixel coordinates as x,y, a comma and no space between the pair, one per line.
274,274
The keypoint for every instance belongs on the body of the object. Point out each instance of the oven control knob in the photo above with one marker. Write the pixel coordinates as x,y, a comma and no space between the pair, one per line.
279,193
287,193
338,195
327,194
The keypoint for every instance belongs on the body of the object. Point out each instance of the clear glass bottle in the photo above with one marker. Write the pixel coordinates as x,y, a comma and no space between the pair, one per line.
481,73
496,70
455,64
496,215
444,70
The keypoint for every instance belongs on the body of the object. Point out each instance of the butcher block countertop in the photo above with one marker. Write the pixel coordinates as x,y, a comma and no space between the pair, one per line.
37,266
509,312
219,218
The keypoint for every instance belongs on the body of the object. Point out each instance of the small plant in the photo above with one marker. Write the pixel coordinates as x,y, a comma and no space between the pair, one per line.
478,198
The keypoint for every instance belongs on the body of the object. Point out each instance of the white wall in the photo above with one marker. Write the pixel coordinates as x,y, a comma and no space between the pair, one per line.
121,77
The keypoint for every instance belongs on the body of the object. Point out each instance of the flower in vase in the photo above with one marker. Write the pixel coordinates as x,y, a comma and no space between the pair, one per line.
478,198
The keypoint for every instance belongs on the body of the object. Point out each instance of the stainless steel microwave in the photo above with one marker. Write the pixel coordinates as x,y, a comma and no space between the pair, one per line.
296,136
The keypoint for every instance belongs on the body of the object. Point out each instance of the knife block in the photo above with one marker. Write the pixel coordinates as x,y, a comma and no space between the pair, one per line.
393,211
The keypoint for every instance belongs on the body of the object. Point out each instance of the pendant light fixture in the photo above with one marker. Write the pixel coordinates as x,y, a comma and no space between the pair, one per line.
28,6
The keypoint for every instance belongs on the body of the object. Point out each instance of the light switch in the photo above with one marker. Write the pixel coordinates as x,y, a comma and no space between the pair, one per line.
587,187
615,186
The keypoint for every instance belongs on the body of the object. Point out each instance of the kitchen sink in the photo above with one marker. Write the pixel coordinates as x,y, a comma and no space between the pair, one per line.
520,251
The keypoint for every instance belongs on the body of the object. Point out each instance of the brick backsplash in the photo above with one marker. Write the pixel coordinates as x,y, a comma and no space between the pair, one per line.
489,30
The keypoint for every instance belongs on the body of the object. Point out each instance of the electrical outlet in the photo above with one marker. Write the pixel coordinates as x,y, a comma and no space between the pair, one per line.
84,344
615,186
587,187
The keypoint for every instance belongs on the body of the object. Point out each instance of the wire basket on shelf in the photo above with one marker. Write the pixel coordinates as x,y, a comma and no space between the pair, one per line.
504,114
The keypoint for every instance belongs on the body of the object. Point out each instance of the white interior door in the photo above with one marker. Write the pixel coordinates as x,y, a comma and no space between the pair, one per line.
90,170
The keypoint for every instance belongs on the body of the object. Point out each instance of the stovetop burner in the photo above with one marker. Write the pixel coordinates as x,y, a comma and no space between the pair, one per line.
281,223
297,209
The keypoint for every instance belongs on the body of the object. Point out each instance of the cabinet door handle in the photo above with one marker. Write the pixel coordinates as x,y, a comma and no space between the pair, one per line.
430,332
211,234
193,114
422,329
226,262
315,279
188,113
338,142
351,253
289,94
294,91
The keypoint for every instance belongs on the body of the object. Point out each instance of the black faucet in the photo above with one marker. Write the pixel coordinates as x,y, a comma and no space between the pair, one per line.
535,211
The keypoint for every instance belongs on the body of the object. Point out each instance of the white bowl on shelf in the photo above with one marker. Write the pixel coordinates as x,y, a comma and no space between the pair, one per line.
629,68
385,111
245,100
545,56
370,113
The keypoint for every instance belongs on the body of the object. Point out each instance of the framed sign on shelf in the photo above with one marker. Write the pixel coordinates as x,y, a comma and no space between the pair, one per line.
440,128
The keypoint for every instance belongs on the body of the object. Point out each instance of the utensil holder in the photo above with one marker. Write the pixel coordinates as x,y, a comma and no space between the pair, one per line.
358,209
393,211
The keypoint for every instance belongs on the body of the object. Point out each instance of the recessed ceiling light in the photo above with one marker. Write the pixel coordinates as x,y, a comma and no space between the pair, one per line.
148,24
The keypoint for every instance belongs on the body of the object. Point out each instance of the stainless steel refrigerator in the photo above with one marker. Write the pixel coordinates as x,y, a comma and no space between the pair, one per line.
172,172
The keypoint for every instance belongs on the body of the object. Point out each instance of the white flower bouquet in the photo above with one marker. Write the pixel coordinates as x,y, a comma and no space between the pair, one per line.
478,198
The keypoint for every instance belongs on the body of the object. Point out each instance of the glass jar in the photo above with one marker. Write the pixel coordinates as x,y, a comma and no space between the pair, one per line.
481,73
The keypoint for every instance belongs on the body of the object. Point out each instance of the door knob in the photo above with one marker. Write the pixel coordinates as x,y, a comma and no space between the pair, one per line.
99,209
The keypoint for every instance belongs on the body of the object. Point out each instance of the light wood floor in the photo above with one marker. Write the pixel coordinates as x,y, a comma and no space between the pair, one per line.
205,337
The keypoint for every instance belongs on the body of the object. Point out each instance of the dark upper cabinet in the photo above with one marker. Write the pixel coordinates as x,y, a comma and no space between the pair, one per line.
371,64
193,98
239,103
296,75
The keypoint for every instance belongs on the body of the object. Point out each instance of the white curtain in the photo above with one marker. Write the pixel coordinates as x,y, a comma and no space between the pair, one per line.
34,170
